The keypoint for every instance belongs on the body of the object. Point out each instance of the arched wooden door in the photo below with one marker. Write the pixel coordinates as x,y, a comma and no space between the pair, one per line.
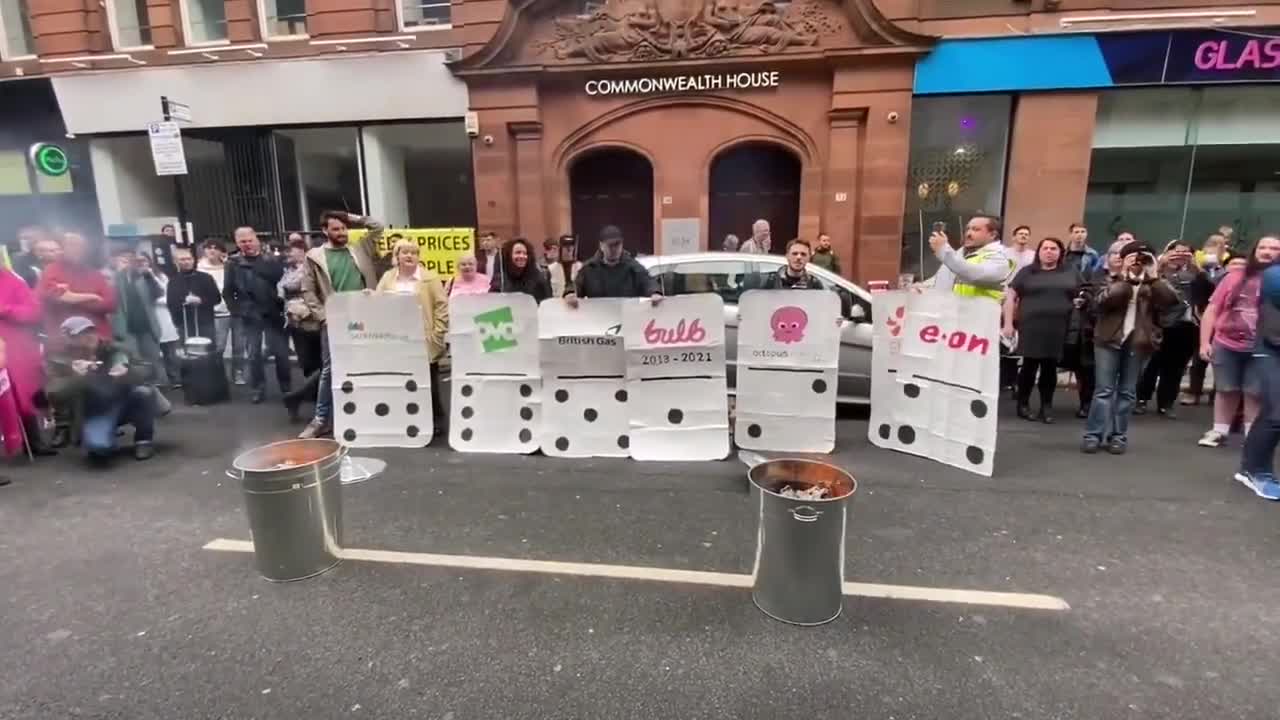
750,182
612,186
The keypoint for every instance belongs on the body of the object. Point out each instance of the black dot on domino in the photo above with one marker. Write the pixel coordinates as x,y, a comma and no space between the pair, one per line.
620,396
347,387
411,431
467,412
466,391
624,441
411,408
975,455
562,443
911,390
465,434
754,430
979,410
819,386
526,413
526,390
884,431
590,415
349,408
349,435
561,395
411,386
526,435
676,416
906,434
381,409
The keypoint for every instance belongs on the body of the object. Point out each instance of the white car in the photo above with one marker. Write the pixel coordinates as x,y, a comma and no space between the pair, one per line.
730,274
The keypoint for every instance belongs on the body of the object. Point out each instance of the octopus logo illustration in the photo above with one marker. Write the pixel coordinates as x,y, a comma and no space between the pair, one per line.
497,329
788,324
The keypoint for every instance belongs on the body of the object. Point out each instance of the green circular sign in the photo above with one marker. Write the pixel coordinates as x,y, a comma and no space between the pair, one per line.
49,159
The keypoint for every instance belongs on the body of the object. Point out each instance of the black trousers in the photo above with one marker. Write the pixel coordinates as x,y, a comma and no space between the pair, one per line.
1008,371
306,343
1073,360
1163,375
1048,381
1195,378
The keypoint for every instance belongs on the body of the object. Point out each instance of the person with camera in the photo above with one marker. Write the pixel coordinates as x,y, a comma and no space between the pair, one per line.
1127,332
1078,353
981,268
1163,376
1228,334
1040,300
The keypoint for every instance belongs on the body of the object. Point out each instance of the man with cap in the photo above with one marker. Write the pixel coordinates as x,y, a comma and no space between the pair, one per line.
107,384
612,273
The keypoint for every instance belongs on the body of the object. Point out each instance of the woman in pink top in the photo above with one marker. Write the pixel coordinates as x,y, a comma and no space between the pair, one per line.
468,281
1228,333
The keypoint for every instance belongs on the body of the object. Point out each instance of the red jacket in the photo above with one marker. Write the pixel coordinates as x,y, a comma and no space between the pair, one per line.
61,277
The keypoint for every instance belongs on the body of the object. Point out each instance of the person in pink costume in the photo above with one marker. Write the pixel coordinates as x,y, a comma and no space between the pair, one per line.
20,317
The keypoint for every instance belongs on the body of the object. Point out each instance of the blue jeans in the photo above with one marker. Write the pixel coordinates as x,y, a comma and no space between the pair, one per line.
106,410
324,394
1117,373
1260,444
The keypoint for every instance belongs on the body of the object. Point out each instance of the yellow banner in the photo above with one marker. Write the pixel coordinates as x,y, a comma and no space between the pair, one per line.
439,248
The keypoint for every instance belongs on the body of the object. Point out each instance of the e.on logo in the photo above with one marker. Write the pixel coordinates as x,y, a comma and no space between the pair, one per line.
957,340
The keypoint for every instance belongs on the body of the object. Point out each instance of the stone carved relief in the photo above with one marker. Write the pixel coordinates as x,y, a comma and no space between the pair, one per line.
639,30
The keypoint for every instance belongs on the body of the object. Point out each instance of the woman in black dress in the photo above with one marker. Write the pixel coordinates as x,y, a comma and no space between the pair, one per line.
1039,304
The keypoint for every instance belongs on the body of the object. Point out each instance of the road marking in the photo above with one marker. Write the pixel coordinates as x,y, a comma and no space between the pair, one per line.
1026,601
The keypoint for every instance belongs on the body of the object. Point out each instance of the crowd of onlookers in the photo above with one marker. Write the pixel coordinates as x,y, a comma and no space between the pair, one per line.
1129,324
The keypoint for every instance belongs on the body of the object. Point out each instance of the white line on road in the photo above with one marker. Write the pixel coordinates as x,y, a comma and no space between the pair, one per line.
1027,601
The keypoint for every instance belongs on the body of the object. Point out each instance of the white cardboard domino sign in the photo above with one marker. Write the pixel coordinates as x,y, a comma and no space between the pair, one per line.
584,383
935,376
788,360
676,385
496,387
381,375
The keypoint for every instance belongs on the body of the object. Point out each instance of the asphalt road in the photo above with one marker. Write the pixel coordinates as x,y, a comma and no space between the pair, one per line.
110,608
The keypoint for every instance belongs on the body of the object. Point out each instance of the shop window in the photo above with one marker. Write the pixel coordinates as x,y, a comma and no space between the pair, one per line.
15,22
1182,162
419,174
206,21
956,169
424,14
319,170
283,18
130,26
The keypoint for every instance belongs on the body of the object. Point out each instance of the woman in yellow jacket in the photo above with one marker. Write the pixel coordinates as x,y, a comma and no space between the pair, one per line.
409,277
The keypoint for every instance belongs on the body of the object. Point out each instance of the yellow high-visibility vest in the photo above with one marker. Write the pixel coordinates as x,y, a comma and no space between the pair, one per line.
966,290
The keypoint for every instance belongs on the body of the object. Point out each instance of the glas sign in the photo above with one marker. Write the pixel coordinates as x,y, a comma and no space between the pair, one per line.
1193,56
49,159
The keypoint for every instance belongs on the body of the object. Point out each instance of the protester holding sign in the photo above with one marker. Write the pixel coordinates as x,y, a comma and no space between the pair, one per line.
612,272
409,277
335,268
517,272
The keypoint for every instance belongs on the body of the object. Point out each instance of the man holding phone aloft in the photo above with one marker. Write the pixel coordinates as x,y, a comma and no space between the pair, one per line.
981,268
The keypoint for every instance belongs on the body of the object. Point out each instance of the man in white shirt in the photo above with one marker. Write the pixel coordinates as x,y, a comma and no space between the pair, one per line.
489,252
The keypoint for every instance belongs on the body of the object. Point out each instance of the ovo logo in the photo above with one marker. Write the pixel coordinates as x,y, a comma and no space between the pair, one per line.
956,340
682,333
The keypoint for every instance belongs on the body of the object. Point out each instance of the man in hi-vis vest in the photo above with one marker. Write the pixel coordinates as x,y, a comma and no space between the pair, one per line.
981,269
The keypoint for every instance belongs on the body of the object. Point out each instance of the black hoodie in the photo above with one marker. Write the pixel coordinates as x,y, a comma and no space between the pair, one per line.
625,278
199,318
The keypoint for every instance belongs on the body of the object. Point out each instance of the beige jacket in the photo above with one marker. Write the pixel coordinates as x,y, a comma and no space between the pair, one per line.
558,280
435,307
317,286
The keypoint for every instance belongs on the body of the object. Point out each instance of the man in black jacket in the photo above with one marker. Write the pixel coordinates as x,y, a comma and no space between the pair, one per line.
191,296
612,273
795,275
251,295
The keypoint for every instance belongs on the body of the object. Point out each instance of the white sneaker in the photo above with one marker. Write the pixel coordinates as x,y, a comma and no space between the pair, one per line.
1213,439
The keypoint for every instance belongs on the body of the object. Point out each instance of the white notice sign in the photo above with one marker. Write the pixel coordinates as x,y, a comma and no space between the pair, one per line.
680,235
166,148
